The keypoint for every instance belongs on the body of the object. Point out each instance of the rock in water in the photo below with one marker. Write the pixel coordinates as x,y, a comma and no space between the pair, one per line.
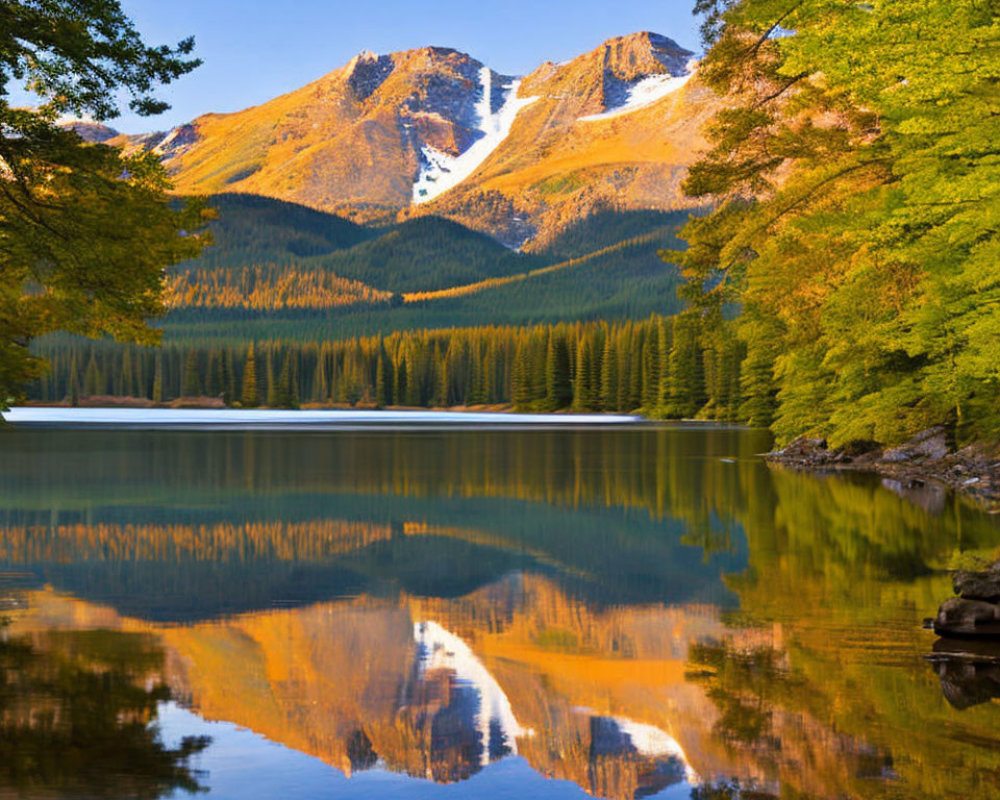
978,585
961,617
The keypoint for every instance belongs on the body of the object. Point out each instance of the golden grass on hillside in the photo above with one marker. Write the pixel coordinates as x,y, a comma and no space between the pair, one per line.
495,283
267,289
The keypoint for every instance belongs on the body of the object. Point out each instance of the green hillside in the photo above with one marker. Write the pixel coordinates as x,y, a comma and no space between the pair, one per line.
254,230
604,267
427,253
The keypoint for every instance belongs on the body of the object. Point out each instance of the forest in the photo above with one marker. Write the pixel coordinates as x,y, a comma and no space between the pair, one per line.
662,366
840,280
856,189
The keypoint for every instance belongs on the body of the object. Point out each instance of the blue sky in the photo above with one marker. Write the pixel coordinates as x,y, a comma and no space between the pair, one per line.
257,49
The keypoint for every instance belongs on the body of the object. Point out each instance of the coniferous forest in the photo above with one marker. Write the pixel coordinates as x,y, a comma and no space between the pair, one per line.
662,366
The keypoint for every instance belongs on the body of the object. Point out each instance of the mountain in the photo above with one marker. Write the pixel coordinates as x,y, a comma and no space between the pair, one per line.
612,130
93,132
353,140
435,131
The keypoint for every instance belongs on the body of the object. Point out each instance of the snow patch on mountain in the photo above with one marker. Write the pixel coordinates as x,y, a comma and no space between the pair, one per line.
179,138
644,93
441,171
439,649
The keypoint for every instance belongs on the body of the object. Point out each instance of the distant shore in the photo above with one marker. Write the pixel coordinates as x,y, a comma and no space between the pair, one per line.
291,419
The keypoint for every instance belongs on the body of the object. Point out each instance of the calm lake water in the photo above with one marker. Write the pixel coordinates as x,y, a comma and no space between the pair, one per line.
623,612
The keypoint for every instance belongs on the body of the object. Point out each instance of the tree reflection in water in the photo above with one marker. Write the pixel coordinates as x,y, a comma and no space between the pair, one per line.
77,717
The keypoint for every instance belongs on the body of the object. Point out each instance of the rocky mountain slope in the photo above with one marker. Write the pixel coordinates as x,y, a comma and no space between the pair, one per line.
434,131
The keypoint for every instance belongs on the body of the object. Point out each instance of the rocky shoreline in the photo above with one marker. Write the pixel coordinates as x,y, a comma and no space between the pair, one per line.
924,461
967,656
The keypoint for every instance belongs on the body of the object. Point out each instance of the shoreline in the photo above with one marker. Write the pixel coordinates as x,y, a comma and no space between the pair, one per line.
290,419
972,472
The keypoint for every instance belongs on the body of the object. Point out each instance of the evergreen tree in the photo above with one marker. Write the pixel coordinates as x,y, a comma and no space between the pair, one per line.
687,384
74,383
93,380
128,377
273,391
558,390
192,379
609,375
521,390
321,385
158,379
286,395
226,377
249,397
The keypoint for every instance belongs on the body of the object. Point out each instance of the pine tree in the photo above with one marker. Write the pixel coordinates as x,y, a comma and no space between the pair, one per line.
249,397
651,368
158,379
93,380
226,377
521,389
273,392
687,384
128,378
192,380
286,395
74,383
609,375
558,390
321,386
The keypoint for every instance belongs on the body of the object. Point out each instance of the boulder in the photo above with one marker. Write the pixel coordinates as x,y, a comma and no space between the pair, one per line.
931,444
961,617
978,585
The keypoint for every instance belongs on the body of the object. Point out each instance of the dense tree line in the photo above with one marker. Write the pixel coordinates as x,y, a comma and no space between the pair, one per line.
855,175
666,366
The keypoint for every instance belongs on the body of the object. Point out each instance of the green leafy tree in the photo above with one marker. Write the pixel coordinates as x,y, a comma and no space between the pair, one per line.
854,176
84,231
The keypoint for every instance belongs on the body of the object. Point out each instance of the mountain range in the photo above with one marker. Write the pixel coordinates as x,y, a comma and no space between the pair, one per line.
434,131
423,189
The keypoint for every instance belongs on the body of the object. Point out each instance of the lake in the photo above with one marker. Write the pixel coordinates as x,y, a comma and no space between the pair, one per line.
417,611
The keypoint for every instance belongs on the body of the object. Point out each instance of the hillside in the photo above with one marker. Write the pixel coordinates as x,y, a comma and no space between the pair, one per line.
436,132
279,270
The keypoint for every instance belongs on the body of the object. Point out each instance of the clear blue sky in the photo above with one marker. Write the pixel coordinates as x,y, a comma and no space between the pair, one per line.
257,49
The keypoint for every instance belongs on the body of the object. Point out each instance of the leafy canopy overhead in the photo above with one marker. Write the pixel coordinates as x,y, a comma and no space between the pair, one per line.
857,189
84,233
76,54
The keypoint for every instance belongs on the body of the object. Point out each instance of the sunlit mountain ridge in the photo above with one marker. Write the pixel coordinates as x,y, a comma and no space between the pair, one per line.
435,131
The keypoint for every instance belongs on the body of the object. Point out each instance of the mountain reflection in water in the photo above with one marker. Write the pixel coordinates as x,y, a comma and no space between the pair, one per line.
641,612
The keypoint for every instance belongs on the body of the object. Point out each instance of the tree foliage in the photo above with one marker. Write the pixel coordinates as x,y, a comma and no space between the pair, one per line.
857,191
84,232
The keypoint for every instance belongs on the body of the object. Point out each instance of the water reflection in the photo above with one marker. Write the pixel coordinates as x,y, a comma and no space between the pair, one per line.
643,612
76,717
